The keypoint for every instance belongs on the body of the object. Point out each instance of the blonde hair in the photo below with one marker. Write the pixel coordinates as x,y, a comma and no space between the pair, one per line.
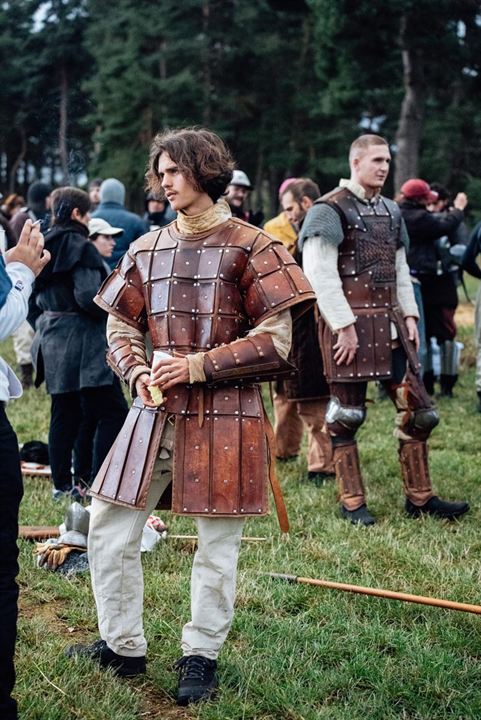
363,142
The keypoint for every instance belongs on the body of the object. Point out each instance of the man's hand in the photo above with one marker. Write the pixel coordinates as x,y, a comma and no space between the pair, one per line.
412,328
346,345
460,201
29,249
142,387
169,372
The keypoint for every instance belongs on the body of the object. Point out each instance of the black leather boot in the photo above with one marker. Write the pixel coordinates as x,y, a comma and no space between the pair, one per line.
100,652
447,383
437,507
361,516
197,679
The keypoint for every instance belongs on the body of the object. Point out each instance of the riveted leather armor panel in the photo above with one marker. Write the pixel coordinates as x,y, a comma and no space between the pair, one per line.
367,267
202,293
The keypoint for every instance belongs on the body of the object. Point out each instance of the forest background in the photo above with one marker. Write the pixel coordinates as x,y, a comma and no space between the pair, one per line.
287,83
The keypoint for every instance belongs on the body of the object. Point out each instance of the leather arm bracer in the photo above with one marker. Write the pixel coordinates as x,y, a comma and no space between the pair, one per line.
127,360
250,359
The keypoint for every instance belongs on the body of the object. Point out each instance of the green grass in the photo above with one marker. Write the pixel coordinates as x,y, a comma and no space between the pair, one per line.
294,652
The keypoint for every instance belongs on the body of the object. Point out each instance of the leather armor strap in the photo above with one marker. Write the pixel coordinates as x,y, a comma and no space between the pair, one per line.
348,475
124,358
254,359
274,480
413,457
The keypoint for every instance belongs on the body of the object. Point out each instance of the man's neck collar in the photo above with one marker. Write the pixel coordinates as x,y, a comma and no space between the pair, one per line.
214,215
357,190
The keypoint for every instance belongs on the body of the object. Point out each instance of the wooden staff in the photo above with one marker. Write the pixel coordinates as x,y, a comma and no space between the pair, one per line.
195,538
378,592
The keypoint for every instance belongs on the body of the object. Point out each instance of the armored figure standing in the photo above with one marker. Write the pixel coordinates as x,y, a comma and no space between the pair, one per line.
216,296
354,252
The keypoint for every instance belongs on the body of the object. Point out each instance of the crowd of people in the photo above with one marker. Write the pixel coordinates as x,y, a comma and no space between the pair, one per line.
338,290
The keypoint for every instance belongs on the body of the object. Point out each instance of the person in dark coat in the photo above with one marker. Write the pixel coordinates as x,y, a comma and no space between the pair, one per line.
438,286
37,208
71,341
112,209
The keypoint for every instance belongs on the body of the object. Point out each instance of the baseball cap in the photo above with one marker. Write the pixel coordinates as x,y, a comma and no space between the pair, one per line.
99,226
239,177
417,189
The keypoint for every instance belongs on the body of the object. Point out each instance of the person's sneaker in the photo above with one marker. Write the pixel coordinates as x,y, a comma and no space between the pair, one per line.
197,679
78,493
319,478
360,516
437,507
58,495
100,652
71,493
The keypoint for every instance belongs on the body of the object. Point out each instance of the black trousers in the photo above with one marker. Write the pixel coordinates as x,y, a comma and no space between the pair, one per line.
11,491
103,407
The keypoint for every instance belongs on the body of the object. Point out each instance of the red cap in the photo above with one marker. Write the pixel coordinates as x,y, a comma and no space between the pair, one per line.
416,189
285,184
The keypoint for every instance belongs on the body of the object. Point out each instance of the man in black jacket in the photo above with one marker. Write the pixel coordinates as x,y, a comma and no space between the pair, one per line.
439,293
471,266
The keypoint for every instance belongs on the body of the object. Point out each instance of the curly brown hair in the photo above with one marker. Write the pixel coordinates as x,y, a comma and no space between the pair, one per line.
201,156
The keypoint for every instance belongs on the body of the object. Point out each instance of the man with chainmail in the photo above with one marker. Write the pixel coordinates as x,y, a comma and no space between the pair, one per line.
354,253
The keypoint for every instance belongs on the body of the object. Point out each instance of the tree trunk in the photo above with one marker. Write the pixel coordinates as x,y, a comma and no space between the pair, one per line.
12,178
206,69
410,126
62,131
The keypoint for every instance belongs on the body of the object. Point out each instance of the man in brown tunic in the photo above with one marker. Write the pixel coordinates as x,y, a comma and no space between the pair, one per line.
354,252
216,296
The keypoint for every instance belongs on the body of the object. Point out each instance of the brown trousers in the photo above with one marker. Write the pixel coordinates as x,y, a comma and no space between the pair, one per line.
291,418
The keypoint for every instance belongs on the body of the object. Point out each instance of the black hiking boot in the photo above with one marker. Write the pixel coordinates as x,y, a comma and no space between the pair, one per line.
197,679
361,516
319,478
100,652
437,507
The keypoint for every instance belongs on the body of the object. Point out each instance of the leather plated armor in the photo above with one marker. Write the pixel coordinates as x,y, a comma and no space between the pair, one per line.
203,293
367,268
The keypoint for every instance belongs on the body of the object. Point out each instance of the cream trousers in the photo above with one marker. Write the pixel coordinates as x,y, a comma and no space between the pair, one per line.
117,579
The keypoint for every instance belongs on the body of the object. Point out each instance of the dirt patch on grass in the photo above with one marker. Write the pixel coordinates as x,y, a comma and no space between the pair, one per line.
464,314
155,705
158,706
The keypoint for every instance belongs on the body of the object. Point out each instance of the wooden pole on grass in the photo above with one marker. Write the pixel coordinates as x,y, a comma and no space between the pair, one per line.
378,592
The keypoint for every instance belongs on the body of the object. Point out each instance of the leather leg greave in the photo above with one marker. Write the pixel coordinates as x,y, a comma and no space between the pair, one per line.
413,456
348,475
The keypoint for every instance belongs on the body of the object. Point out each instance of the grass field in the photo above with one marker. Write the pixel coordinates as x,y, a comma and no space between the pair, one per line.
294,652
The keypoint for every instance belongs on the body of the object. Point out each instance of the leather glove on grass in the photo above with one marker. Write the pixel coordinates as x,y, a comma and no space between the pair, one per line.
54,555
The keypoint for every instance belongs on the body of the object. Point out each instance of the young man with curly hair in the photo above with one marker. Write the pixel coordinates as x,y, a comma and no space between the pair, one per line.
216,296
